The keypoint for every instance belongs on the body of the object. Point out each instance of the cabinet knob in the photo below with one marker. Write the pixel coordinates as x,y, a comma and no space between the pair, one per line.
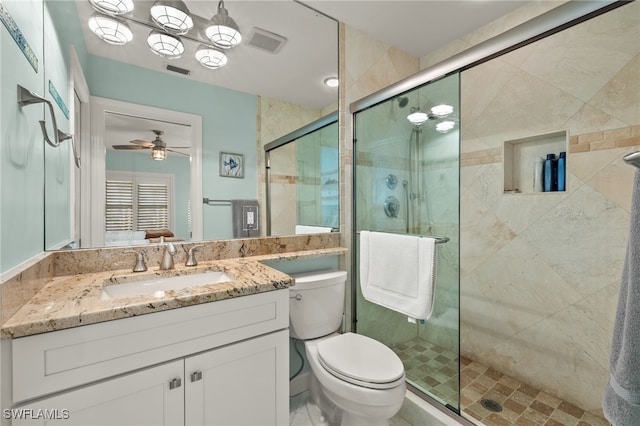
175,383
196,375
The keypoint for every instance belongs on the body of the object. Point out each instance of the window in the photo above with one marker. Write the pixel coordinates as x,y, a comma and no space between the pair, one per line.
138,201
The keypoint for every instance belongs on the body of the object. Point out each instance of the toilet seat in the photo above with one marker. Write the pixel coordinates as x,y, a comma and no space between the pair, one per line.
360,360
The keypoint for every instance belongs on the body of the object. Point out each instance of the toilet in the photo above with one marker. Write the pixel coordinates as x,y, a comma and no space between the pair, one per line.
355,380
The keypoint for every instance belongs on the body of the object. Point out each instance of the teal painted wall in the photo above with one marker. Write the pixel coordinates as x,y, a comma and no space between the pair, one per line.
21,145
174,165
228,124
57,166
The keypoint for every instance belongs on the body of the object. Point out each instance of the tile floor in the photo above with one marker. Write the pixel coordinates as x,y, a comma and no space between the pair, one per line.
522,405
431,367
298,415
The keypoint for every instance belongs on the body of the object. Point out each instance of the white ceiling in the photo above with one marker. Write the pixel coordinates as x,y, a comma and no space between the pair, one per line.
418,27
295,74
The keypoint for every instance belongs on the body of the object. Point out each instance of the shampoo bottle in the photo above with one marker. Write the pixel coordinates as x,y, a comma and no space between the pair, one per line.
537,174
562,167
549,174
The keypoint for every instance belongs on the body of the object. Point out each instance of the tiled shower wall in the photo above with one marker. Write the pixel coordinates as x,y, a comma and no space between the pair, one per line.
540,273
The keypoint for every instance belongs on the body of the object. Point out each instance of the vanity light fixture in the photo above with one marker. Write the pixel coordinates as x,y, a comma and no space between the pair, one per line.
441,110
172,16
417,117
223,31
111,30
211,58
165,45
445,126
112,7
331,81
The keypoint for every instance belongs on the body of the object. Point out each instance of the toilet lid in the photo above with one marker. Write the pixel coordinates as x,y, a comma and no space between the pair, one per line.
360,360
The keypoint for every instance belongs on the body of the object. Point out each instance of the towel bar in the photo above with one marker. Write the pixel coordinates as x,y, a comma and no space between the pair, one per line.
211,202
439,240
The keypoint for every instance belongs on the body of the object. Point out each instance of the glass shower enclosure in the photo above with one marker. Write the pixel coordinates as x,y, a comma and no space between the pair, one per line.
406,181
302,182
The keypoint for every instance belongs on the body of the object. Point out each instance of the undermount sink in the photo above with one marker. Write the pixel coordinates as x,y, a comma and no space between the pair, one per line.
158,285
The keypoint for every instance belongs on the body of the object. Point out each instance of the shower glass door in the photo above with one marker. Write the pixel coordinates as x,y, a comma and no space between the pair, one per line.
406,172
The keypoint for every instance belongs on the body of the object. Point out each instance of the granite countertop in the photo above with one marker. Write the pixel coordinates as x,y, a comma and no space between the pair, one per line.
74,300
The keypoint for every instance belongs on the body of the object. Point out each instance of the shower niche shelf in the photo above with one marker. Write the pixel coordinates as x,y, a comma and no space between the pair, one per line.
519,161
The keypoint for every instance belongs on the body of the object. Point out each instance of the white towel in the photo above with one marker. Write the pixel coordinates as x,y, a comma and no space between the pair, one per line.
305,229
398,272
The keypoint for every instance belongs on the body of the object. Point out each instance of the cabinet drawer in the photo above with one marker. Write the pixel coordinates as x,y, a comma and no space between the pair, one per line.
51,362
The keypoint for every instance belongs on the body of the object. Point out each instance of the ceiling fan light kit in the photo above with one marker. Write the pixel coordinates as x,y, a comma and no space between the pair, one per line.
170,18
158,147
158,153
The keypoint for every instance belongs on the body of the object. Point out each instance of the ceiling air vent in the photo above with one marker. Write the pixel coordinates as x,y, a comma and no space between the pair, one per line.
178,70
265,40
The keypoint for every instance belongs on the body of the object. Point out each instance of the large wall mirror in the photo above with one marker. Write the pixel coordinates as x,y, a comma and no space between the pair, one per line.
272,84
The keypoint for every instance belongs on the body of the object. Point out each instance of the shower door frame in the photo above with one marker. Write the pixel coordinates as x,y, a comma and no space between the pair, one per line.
564,16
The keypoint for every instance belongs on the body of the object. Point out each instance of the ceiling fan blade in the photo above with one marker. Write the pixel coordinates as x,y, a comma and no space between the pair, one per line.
179,147
142,143
178,152
130,147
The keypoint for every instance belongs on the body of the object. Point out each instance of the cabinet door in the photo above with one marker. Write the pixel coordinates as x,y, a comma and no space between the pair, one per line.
246,383
150,397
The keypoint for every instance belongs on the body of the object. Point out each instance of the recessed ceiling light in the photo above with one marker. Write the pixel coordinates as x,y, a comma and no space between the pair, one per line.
332,81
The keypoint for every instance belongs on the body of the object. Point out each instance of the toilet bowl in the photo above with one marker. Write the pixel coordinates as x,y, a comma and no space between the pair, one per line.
362,399
355,380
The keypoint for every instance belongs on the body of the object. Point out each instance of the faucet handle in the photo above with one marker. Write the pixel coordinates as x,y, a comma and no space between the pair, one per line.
191,257
140,265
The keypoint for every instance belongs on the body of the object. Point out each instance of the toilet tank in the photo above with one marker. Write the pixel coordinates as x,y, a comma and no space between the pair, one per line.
316,303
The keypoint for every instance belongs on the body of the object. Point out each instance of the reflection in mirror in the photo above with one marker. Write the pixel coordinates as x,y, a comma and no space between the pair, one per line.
303,175
257,96
145,175
146,160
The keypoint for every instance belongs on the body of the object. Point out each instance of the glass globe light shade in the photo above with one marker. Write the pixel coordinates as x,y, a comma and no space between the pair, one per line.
165,45
211,58
110,30
172,16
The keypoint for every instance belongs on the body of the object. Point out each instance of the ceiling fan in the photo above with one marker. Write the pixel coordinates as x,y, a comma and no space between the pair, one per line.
158,147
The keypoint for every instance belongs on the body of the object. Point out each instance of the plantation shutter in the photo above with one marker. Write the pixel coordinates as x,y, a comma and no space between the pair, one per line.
119,208
138,201
153,206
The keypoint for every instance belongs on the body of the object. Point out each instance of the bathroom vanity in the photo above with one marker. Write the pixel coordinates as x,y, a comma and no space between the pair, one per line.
157,369
200,345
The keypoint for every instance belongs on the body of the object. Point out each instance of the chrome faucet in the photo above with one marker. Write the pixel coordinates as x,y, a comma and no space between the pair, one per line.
191,257
167,258
140,265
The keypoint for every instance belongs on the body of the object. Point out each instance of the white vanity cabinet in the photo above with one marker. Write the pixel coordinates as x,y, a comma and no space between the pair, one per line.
219,363
143,398
240,384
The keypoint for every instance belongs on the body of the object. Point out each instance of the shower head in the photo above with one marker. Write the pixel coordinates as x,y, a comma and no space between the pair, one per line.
402,101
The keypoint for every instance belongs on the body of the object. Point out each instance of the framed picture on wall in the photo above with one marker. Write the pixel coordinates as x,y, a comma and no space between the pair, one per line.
231,165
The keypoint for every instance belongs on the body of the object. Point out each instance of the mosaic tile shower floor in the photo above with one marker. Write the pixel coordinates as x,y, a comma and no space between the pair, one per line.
434,368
